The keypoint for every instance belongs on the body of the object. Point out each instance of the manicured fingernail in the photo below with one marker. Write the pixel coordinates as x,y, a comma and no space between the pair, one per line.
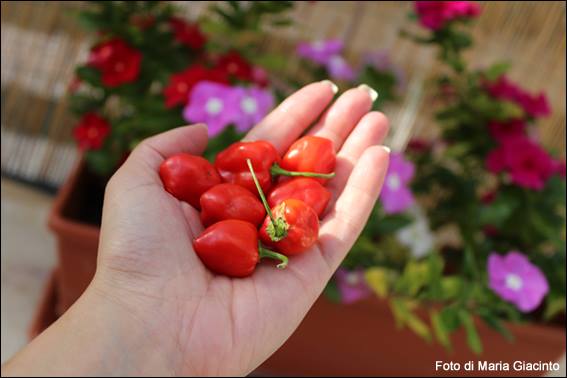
373,94
333,86
387,149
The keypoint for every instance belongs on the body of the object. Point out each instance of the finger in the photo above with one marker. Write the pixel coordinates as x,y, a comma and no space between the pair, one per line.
347,218
344,114
370,131
288,121
193,219
154,150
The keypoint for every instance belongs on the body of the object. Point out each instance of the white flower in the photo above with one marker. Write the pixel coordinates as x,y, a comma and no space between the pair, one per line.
417,236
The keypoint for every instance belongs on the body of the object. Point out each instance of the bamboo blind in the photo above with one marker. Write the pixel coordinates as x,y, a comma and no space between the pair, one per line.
41,44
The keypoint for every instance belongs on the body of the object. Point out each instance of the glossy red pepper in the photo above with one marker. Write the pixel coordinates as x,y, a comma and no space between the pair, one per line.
230,201
232,167
310,154
302,227
187,176
304,189
231,248
292,226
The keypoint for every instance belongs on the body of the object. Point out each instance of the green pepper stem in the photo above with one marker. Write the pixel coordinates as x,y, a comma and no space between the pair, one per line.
261,192
277,230
277,170
264,252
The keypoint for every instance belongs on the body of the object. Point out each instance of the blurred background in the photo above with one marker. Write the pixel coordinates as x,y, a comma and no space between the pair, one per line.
42,43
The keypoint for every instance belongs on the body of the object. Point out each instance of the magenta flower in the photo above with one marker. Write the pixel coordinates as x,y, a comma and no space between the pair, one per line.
339,69
434,15
516,280
320,52
253,104
529,165
352,285
213,104
396,195
533,105
505,130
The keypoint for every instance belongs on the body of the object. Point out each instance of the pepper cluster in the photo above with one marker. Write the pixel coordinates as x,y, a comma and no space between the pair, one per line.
241,221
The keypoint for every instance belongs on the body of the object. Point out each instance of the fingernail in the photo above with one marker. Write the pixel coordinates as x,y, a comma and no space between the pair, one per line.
333,86
387,149
371,92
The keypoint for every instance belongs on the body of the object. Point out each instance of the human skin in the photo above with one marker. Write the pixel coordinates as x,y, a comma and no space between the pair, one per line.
154,309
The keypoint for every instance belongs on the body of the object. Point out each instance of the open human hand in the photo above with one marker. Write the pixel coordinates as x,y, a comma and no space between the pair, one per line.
150,282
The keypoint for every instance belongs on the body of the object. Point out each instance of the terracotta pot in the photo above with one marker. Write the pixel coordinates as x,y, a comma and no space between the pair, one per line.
45,313
362,340
77,241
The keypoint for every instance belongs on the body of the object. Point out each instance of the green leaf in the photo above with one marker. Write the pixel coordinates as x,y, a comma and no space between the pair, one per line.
492,321
89,75
472,335
401,309
451,287
440,329
450,318
377,280
392,223
101,161
497,70
332,292
554,307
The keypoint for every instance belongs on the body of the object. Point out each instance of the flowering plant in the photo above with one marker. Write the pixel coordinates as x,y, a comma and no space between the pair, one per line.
489,180
150,70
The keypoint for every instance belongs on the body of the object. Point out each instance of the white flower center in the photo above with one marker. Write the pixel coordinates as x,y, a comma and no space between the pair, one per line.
249,105
393,181
514,282
352,279
213,106
318,45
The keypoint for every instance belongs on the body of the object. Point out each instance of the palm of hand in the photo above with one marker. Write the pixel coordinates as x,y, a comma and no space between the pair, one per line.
213,324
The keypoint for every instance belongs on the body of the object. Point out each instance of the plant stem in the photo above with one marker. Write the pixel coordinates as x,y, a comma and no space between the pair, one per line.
277,170
277,230
264,252
261,192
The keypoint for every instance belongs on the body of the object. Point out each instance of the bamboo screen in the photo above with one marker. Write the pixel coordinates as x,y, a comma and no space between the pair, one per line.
41,44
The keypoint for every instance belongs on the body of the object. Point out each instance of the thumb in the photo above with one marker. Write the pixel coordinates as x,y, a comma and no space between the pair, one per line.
142,165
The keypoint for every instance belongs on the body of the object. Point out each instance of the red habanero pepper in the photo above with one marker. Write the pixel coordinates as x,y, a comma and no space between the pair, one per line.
187,176
231,163
232,167
302,228
310,154
230,201
304,189
292,227
231,248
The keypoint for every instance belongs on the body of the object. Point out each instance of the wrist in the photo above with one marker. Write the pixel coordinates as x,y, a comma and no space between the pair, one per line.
99,335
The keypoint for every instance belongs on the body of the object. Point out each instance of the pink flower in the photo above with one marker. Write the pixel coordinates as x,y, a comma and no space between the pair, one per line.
515,279
396,195
213,104
533,105
435,15
320,51
506,130
529,165
352,285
